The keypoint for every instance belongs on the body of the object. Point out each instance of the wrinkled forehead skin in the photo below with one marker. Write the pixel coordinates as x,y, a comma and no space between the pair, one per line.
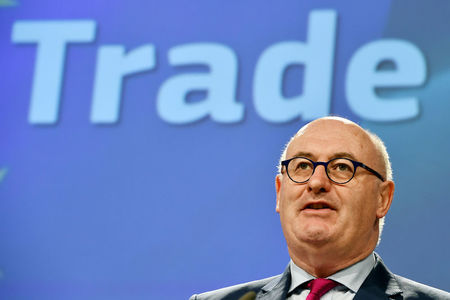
336,135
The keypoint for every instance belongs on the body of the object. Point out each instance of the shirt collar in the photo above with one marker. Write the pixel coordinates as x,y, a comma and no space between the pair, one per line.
352,277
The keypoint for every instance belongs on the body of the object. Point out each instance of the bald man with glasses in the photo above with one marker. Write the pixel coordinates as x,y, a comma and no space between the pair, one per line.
333,189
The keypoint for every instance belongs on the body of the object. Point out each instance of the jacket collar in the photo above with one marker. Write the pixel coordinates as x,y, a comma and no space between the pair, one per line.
277,288
379,284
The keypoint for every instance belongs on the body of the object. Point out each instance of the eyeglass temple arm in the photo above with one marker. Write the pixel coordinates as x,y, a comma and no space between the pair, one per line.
372,171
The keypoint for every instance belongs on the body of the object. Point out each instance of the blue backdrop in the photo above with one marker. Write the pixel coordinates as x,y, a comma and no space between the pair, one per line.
140,139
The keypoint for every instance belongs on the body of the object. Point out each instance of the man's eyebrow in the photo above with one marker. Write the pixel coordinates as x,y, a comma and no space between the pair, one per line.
336,155
303,154
343,155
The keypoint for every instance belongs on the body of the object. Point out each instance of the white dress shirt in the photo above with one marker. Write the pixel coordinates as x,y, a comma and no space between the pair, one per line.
350,279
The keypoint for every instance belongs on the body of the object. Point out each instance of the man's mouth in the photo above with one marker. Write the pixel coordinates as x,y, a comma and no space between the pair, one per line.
317,206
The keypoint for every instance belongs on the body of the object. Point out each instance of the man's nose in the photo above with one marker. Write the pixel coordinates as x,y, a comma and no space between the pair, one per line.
319,181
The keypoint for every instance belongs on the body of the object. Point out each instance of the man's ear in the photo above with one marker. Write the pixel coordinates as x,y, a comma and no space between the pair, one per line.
385,198
277,189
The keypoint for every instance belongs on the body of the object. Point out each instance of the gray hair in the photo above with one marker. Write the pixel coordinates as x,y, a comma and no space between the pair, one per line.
375,139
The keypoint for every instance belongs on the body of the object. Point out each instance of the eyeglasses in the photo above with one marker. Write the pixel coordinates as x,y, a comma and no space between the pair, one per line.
339,170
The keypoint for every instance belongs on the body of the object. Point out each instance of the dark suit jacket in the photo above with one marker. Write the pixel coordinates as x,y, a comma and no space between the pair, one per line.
379,284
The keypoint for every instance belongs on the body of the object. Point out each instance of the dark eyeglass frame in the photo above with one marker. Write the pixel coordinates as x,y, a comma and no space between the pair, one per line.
355,163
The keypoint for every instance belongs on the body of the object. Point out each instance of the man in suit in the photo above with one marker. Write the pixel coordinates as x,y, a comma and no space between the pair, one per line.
333,189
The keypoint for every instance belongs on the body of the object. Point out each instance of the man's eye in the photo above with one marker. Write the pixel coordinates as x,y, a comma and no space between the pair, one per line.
303,166
342,167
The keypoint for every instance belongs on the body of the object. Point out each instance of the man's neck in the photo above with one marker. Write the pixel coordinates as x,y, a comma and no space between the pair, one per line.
322,264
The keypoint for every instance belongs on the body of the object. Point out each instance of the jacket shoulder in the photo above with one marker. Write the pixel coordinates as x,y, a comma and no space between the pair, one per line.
234,292
415,290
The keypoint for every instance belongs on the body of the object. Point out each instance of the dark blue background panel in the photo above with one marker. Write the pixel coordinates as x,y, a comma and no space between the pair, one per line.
140,140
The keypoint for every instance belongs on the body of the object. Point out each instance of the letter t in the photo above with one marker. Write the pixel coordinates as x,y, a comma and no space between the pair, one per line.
52,38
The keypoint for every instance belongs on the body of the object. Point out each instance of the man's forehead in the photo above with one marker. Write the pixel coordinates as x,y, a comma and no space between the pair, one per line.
334,137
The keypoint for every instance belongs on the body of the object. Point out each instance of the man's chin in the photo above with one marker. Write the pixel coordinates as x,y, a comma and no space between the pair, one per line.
315,234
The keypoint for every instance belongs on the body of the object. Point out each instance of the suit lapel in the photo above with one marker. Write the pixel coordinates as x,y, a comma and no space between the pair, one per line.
277,288
380,284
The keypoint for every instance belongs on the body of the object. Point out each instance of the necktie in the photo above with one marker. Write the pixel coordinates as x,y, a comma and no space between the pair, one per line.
319,287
